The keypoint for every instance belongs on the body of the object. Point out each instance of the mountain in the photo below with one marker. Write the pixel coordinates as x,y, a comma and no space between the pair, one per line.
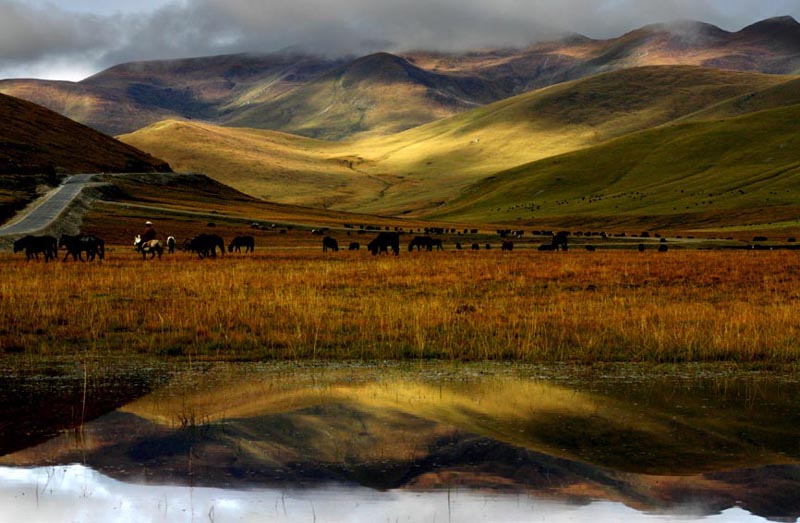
416,171
382,93
129,96
379,93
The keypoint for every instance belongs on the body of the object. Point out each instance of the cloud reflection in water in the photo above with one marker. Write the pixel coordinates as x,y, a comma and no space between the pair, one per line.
78,493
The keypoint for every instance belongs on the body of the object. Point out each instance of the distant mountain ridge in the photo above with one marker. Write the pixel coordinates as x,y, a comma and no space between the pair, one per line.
384,93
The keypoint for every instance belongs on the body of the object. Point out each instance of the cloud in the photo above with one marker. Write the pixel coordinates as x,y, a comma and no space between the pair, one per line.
30,35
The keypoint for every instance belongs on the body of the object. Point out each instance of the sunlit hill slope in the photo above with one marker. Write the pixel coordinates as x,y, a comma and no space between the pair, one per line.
740,170
418,171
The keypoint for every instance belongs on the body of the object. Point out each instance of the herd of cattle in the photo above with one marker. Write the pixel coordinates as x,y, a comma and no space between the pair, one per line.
75,246
206,245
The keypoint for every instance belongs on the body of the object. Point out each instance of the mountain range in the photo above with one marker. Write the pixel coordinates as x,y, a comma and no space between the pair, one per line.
382,93
675,126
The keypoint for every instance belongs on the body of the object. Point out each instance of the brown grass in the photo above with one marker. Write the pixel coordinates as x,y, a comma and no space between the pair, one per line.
299,304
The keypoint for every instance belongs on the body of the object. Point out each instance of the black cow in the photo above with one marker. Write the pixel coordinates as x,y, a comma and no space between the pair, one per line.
507,245
76,245
33,245
425,242
330,243
205,245
248,242
385,241
354,246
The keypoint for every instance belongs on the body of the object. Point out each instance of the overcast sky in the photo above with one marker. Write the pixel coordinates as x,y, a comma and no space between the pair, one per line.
71,39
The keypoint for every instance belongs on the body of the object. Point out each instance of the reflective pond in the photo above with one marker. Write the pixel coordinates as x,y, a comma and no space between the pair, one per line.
472,443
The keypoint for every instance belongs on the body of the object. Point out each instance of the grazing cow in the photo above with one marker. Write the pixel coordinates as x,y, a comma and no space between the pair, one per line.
591,248
248,242
354,246
507,245
476,247
171,244
152,247
330,243
93,246
385,241
560,240
425,242
641,247
205,245
663,247
33,245
488,246
458,246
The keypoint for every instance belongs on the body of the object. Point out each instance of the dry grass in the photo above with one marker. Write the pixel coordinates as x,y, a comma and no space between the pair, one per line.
529,306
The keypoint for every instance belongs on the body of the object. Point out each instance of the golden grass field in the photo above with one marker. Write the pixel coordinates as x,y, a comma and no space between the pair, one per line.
296,303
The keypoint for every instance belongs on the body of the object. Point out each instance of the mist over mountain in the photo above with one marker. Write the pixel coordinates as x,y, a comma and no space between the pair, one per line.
333,98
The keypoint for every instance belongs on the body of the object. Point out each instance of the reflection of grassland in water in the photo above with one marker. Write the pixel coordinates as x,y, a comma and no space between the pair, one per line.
393,414
528,306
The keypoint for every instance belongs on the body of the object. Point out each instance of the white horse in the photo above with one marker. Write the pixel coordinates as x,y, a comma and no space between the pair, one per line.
151,247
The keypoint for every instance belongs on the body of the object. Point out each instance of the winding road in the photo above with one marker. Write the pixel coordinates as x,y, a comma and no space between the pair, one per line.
48,208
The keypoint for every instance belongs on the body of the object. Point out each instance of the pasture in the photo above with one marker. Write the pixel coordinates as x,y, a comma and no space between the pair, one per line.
296,303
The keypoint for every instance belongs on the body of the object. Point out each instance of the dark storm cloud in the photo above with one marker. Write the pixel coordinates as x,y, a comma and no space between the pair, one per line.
202,27
32,33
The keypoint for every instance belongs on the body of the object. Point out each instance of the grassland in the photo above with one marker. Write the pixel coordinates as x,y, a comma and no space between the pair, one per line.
296,303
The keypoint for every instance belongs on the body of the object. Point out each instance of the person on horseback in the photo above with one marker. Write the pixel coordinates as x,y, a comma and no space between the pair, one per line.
149,232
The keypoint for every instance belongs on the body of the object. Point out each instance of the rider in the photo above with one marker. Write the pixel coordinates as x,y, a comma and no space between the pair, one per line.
149,232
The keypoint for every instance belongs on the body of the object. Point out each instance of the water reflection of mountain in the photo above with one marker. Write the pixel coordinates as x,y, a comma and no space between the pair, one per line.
709,444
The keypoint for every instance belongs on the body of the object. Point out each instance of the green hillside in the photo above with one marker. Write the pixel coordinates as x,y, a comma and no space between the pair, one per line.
742,170
432,163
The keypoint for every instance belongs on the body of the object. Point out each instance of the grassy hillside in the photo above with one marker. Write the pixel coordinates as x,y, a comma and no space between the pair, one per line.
270,165
740,170
36,139
413,172
434,162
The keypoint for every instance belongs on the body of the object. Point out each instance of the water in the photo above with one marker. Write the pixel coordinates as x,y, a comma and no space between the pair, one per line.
416,443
